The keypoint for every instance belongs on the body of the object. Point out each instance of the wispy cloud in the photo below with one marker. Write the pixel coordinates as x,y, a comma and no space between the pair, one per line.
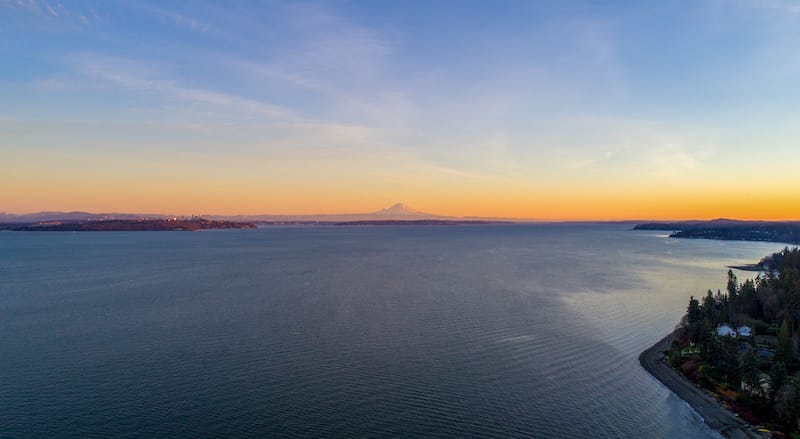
640,147
50,10
780,7
186,20
137,77
28,5
456,172
54,12
341,66
339,61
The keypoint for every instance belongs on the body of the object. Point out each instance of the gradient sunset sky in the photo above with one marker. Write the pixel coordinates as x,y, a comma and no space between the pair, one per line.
528,109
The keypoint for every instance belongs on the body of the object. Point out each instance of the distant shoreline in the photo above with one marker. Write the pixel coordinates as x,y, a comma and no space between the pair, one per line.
716,416
731,230
419,223
138,225
197,223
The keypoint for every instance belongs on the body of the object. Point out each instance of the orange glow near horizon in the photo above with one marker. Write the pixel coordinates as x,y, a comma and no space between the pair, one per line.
549,113
496,201
296,185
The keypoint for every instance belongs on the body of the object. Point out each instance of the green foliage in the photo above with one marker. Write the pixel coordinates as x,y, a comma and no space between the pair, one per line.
784,352
787,402
704,377
729,362
748,299
759,327
693,312
709,307
675,358
777,378
770,304
733,284
750,372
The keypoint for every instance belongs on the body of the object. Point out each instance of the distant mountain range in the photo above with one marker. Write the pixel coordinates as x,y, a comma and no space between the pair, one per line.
397,212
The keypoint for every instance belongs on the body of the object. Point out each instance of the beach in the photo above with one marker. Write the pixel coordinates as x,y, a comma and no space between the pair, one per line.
715,415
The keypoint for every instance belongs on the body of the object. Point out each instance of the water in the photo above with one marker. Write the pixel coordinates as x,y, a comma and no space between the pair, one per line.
489,331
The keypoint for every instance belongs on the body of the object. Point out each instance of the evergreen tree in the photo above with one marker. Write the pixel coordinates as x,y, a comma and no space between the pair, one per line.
750,372
733,292
777,378
693,311
729,363
694,320
784,353
748,302
708,308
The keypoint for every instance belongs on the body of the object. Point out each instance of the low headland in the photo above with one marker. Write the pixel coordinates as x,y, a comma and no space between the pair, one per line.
731,230
423,222
734,356
127,225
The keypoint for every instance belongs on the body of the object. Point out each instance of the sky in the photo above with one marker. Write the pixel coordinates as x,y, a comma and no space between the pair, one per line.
551,110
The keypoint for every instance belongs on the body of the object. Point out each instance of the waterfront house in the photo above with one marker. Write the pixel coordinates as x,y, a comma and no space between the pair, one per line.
725,330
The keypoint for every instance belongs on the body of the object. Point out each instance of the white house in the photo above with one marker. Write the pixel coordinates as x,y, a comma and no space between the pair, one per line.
725,330
745,331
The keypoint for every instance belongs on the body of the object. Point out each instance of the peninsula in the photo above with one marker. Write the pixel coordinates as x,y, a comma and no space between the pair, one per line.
127,225
732,230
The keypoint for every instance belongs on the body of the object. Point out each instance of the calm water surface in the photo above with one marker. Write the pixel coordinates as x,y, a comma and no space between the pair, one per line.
486,331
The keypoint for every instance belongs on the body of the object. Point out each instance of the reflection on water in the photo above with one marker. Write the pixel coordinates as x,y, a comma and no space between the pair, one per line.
503,331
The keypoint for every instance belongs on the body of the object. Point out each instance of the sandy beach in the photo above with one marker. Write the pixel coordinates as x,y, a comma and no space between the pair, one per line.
715,415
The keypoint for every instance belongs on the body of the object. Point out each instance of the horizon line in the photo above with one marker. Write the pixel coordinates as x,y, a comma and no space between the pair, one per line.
418,213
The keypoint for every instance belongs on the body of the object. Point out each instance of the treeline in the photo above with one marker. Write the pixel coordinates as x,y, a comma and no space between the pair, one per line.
774,231
760,373
768,300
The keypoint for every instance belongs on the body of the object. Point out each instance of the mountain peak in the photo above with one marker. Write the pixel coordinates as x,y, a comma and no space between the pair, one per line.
399,208
403,211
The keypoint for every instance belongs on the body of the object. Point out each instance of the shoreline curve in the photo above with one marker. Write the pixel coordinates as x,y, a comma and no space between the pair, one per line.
715,416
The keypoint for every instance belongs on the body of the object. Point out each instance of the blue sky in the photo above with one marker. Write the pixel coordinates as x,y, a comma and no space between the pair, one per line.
332,106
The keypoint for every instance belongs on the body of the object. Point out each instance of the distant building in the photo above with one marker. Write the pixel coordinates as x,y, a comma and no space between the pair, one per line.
745,331
725,330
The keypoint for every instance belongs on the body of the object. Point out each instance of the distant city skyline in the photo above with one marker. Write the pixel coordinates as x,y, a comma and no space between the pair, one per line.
542,110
